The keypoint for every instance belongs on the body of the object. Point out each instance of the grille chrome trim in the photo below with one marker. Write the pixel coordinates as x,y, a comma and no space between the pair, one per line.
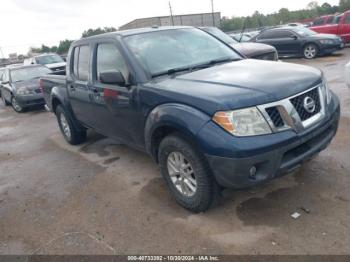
290,115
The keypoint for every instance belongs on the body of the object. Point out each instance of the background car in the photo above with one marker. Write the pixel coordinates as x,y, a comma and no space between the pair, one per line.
250,50
52,61
340,26
347,74
299,41
20,86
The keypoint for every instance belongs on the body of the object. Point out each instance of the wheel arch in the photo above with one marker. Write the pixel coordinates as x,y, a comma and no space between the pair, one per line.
172,118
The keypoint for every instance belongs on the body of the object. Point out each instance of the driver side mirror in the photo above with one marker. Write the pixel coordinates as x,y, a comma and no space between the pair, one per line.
112,78
294,37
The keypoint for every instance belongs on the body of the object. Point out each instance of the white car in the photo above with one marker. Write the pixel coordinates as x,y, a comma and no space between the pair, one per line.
347,74
52,61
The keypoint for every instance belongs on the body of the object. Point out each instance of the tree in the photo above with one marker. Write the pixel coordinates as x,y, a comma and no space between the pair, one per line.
344,5
63,47
312,5
98,31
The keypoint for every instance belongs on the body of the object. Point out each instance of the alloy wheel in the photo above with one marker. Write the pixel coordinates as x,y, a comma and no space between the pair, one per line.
310,51
181,174
65,126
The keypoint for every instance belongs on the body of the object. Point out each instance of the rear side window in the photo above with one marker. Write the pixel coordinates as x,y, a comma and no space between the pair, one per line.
109,58
81,61
274,34
347,19
330,19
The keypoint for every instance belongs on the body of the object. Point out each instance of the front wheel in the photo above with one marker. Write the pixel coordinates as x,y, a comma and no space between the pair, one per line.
69,132
187,174
16,106
310,51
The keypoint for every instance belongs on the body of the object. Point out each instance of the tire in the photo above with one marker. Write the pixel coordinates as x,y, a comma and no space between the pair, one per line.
69,132
207,192
4,100
17,107
310,51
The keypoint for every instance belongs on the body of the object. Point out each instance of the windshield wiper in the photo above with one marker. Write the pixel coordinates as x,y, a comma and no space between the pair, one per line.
172,71
216,61
194,67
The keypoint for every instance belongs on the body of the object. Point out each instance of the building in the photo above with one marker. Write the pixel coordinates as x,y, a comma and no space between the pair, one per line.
204,19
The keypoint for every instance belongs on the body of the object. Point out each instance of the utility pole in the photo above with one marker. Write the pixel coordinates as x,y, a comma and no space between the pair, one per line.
212,11
171,14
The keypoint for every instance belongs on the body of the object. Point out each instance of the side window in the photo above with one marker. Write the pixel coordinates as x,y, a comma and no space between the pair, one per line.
110,59
347,19
267,35
75,61
285,34
318,21
330,19
83,63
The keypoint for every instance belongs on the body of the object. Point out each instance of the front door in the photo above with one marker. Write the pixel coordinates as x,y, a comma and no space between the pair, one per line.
113,104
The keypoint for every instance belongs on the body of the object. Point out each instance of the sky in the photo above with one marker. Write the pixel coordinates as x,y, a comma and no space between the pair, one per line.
25,23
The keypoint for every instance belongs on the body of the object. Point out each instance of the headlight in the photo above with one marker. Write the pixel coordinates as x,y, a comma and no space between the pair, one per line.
326,92
326,41
23,91
243,122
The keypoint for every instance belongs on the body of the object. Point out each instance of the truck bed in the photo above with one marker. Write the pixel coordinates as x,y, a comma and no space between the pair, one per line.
47,83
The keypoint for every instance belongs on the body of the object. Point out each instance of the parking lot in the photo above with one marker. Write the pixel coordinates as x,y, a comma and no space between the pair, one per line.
105,198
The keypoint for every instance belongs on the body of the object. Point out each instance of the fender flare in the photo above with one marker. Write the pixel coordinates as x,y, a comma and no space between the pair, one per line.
60,94
183,118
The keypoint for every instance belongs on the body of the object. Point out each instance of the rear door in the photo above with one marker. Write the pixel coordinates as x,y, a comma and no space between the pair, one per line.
78,84
344,27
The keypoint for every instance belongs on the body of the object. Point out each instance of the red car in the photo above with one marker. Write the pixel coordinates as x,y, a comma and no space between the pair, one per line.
340,27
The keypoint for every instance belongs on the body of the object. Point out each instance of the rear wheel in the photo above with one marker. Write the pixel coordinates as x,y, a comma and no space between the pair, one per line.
16,106
187,174
310,51
69,132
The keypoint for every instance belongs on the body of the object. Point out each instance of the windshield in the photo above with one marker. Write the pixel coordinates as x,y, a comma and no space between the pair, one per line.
165,50
49,59
220,35
303,31
28,73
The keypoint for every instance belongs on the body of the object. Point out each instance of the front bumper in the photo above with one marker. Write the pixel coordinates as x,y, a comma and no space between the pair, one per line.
327,49
30,100
272,155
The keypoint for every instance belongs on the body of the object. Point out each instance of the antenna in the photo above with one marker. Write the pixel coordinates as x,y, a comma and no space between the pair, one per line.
171,14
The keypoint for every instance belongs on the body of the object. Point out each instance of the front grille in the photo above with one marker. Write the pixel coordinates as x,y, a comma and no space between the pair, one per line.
298,103
275,116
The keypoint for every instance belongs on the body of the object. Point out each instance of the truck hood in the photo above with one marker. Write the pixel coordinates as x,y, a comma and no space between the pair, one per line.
238,84
253,49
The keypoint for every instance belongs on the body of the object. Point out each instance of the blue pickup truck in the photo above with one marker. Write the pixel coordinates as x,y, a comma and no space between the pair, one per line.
208,117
